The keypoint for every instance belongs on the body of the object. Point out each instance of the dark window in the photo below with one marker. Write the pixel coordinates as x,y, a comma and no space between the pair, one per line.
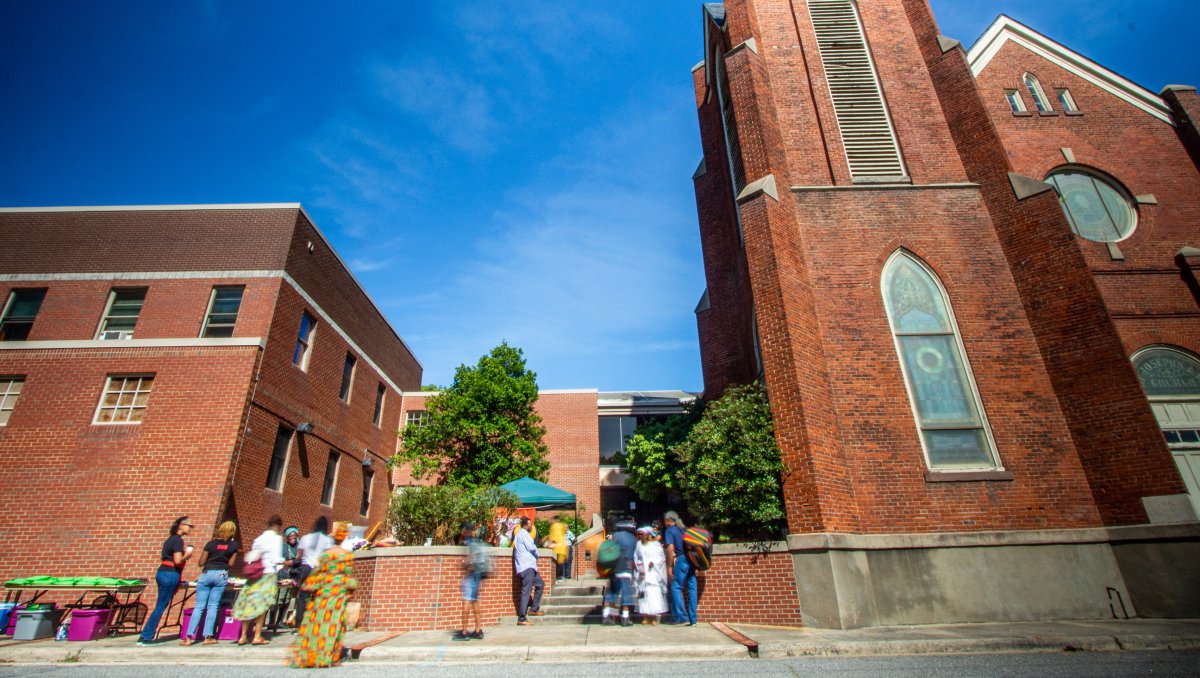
223,311
331,468
124,307
613,433
304,341
23,307
368,479
279,455
347,378
379,394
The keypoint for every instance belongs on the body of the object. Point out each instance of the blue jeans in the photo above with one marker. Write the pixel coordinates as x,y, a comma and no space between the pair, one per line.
209,588
684,573
168,584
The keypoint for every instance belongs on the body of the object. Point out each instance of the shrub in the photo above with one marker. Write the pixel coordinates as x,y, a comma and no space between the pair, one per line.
438,511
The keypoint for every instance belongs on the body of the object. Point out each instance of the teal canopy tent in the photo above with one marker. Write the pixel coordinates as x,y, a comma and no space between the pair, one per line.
541,495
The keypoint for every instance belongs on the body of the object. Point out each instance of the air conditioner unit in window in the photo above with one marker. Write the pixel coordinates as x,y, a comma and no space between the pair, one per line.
106,336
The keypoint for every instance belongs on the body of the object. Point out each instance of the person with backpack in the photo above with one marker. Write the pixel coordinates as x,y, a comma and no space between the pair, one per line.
681,572
620,581
477,565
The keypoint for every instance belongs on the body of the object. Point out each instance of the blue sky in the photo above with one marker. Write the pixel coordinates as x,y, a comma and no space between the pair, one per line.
490,171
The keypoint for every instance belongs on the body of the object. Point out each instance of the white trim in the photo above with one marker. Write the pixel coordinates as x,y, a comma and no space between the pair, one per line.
181,342
293,437
1004,29
171,275
156,208
233,206
136,275
323,316
565,391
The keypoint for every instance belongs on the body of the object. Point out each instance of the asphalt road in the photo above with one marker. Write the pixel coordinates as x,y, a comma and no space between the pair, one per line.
1049,665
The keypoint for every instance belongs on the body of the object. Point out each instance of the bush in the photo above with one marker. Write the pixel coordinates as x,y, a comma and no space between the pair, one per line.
576,525
438,511
730,466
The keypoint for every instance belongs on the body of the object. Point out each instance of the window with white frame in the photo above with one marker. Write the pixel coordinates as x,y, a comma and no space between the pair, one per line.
277,469
121,315
1015,102
1037,93
223,310
125,399
950,417
1097,207
19,313
347,378
308,326
10,391
415,418
368,479
1065,100
380,394
331,470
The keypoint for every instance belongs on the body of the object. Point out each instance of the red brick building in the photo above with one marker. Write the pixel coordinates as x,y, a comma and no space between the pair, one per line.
584,429
218,362
951,268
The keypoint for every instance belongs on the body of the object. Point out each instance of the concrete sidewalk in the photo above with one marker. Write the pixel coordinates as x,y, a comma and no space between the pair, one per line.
552,643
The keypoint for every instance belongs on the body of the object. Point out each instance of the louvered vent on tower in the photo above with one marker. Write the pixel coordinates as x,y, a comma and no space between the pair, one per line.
867,133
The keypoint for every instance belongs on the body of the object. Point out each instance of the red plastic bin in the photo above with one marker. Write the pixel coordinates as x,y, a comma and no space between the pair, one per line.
88,624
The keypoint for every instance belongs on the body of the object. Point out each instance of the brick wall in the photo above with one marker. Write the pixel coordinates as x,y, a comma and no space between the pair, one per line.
417,588
572,436
85,499
749,588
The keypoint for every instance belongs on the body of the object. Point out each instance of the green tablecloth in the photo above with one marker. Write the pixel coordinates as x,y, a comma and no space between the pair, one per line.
79,582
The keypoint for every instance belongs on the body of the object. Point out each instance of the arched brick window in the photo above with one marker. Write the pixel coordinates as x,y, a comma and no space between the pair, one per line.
950,417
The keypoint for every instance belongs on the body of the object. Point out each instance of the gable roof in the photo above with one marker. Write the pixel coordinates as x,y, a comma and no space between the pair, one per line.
1005,29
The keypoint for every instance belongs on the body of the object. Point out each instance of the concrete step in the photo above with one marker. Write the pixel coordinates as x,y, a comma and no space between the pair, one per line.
579,588
594,599
570,610
556,620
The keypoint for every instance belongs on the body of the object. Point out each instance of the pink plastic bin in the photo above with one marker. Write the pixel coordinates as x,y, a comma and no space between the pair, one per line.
226,628
87,625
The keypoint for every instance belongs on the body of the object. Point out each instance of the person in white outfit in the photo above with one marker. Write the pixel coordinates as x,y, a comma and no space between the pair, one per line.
651,563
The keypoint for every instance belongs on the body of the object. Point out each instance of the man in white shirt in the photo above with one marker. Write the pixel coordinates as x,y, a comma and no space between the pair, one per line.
311,546
525,563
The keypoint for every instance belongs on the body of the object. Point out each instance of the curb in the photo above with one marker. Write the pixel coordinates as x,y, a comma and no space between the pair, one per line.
977,646
588,653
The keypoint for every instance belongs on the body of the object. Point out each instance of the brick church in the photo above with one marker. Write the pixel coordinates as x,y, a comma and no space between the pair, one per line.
968,280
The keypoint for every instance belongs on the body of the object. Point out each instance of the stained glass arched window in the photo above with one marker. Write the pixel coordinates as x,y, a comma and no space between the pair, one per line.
1035,91
1096,207
950,417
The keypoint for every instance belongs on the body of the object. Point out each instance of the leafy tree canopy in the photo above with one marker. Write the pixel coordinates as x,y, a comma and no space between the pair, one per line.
723,459
649,458
481,431
730,465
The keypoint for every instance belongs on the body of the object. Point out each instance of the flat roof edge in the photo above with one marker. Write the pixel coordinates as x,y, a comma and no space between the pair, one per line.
156,208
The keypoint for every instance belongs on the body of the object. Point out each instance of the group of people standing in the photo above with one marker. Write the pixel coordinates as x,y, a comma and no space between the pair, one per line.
314,564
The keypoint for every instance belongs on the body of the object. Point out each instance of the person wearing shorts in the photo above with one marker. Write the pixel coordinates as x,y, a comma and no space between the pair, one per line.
469,585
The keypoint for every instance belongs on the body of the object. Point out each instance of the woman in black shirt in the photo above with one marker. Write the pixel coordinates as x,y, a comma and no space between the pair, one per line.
174,556
219,555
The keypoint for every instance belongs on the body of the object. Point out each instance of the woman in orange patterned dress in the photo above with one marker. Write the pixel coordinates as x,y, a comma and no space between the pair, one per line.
319,640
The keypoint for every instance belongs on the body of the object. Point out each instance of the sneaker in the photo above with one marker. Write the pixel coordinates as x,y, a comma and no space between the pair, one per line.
626,621
477,634
691,623
675,622
537,613
459,635
607,621
524,622
145,643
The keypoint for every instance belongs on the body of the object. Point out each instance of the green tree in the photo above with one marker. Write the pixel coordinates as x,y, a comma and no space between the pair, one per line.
482,430
730,466
649,457
437,512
